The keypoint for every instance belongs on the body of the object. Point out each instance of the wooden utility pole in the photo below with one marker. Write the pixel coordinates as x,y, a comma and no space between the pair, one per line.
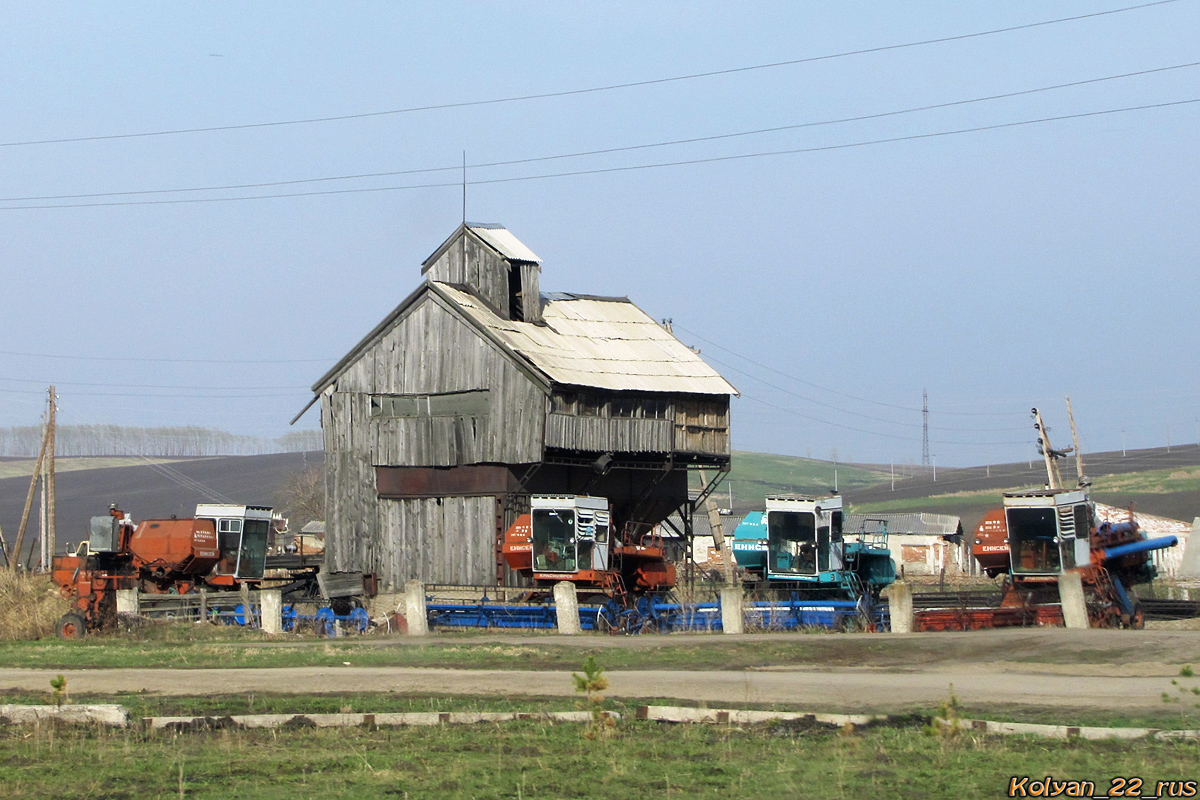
39,470
1075,442
49,533
1052,475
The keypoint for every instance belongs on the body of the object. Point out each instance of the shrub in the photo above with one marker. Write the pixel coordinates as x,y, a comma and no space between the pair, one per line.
30,605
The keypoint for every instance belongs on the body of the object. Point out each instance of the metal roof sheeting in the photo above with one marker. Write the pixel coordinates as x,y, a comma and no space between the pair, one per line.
505,243
914,523
602,343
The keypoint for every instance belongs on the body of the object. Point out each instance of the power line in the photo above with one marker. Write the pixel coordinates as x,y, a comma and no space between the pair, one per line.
607,150
238,396
594,89
171,360
631,168
874,433
156,386
835,391
857,414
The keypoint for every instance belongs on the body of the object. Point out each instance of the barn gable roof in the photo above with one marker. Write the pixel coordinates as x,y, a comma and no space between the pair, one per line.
597,342
494,235
582,340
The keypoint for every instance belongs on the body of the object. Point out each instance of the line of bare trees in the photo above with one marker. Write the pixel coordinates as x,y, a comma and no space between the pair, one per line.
119,440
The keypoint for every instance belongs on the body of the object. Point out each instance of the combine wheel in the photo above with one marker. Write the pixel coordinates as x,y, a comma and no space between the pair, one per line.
71,626
1138,620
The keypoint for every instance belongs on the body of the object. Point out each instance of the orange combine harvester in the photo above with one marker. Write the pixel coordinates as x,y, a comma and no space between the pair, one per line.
222,547
570,538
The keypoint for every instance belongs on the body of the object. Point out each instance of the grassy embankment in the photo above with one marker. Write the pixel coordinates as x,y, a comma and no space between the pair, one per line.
756,475
544,760
1104,488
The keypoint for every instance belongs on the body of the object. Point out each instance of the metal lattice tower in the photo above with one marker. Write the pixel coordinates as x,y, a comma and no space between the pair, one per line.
924,428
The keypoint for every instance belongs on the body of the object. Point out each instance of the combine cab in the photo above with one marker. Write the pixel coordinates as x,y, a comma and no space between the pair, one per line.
797,548
570,538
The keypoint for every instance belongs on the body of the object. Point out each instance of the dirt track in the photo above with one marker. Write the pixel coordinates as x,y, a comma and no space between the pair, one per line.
849,689
1079,669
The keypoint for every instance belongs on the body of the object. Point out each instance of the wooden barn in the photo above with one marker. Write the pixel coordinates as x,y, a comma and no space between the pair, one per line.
478,391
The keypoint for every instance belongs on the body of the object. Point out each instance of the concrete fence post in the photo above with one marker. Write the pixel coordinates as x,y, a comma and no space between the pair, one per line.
414,608
1070,594
900,607
127,602
272,610
733,614
566,608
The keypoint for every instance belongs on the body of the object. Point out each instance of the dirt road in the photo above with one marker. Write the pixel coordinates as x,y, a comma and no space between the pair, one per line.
1052,668
846,689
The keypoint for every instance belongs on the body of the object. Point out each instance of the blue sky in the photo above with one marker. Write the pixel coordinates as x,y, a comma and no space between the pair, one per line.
999,269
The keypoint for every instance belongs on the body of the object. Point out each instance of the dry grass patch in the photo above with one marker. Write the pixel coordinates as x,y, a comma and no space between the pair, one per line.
30,605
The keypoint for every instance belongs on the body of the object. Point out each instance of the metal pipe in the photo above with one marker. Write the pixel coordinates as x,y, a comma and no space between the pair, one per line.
1143,546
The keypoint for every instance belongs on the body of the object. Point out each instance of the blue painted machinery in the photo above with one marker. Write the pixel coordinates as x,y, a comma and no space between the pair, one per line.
662,614
796,550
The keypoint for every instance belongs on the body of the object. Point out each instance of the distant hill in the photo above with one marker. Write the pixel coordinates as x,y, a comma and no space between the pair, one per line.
1156,481
753,476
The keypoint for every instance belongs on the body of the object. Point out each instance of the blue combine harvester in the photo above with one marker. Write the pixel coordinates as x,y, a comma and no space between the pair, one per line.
796,551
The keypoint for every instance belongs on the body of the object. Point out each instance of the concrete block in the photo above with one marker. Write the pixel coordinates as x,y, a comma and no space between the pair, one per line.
900,607
414,609
566,608
113,716
1074,606
733,615
127,602
272,611
1189,562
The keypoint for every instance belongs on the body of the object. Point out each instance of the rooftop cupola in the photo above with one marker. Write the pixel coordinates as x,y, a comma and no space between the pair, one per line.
493,265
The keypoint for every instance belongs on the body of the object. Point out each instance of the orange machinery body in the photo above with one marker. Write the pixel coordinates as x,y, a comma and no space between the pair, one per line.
168,555
91,591
172,548
991,543
634,567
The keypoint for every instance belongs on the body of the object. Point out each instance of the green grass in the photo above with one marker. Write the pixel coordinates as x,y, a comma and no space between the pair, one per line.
456,653
1166,716
545,760
487,650
144,704
938,503
756,475
1162,481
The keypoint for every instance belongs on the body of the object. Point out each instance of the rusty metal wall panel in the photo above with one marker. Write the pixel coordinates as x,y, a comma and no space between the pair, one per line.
407,482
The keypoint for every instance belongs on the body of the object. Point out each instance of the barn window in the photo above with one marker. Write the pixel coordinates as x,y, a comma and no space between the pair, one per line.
562,403
590,406
451,404
624,407
656,409
516,301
